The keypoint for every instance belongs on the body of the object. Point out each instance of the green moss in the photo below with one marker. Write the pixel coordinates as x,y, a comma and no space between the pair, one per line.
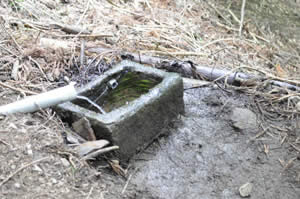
131,86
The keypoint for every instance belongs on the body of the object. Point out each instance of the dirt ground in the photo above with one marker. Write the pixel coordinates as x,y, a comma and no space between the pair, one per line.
206,156
209,152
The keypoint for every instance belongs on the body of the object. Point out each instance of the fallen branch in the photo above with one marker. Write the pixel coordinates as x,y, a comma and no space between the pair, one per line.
86,36
70,29
189,69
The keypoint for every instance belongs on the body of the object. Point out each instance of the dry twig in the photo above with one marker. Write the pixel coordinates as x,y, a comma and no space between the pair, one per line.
20,169
17,89
295,147
5,143
127,182
98,152
90,192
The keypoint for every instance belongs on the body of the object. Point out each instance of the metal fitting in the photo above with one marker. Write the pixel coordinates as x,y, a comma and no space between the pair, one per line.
112,84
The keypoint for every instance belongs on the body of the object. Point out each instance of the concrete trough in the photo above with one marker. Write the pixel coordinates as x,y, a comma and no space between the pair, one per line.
135,123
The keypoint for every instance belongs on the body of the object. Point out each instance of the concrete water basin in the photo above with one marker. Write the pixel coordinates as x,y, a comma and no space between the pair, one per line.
135,103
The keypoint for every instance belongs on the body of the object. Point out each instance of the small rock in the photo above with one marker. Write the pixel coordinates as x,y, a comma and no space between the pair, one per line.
65,162
60,183
50,4
244,119
53,180
67,79
37,169
41,180
298,106
12,126
84,129
2,117
29,150
17,185
245,189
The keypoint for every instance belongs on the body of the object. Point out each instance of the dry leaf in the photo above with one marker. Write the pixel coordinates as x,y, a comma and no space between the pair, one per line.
289,164
34,52
115,165
266,149
280,72
282,162
154,33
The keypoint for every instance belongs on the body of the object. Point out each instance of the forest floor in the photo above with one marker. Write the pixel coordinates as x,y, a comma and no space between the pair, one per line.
204,154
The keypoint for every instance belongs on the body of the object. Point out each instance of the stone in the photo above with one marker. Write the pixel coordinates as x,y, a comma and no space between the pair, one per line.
84,129
298,106
54,181
17,185
135,124
65,162
41,180
244,119
245,189
29,150
37,169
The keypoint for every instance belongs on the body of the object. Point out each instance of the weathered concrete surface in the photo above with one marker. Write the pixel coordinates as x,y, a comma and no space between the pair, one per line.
136,124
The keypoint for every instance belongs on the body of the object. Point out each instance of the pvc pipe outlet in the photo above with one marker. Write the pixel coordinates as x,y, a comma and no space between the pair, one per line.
40,101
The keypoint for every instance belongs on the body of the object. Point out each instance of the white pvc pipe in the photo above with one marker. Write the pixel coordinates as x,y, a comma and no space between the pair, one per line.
40,101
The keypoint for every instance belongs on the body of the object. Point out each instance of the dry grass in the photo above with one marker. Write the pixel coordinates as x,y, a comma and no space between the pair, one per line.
184,30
